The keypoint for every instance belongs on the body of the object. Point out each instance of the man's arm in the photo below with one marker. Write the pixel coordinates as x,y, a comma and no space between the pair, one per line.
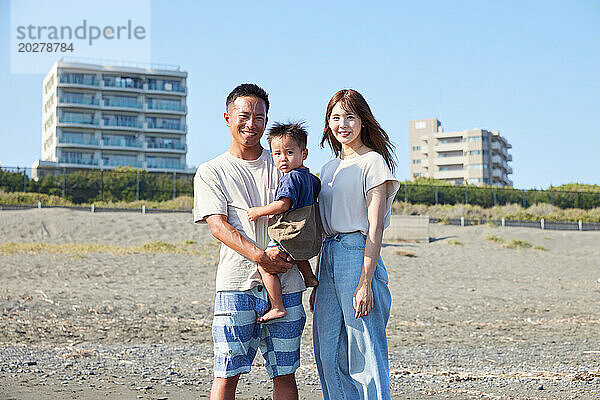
274,208
272,260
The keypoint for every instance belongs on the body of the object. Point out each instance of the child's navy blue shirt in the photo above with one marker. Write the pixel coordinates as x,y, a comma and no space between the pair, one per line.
300,186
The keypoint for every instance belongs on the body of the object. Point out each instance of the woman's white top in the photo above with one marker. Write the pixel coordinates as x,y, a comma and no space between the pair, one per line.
344,187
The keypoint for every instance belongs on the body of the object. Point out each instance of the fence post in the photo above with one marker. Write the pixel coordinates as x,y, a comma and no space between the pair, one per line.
137,185
64,182
466,195
436,195
462,221
174,185
494,193
39,204
580,224
102,185
552,198
143,209
503,222
24,179
405,193
542,224
93,208
524,200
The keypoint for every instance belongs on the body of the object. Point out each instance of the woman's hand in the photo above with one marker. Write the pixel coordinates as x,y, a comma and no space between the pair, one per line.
363,299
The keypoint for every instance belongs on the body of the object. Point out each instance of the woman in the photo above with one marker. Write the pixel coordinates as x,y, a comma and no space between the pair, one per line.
352,302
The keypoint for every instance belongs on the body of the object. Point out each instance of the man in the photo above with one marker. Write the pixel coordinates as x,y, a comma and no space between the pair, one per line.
224,189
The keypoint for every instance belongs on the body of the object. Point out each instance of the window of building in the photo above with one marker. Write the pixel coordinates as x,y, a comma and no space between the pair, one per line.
451,168
416,148
450,140
474,139
416,161
420,125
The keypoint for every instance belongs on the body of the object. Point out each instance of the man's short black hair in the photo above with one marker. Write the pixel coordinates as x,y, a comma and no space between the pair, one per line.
248,90
295,130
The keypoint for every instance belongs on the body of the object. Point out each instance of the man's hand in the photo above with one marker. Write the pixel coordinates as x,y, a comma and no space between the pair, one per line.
253,214
311,300
275,261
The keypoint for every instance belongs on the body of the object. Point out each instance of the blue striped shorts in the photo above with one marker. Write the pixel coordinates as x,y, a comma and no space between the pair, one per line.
237,336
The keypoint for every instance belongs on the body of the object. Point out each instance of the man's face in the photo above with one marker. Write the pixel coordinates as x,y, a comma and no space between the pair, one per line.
246,118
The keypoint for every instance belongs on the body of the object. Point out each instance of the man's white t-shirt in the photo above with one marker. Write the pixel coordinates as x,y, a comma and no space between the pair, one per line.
229,186
344,187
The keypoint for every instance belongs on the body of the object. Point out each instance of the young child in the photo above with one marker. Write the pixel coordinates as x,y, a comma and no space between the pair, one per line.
296,225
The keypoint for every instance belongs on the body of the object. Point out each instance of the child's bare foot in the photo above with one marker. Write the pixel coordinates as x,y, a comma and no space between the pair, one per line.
311,281
273,313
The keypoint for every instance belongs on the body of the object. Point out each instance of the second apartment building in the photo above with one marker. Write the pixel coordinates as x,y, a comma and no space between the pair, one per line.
474,156
98,116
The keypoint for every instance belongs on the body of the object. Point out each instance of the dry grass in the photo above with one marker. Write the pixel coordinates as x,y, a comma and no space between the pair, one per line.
404,253
514,243
73,249
455,242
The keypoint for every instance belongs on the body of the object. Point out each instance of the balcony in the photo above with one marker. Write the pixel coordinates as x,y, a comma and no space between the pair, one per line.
165,165
119,142
111,103
509,157
441,147
122,124
497,160
78,80
509,170
77,100
448,160
455,174
77,121
166,146
86,141
166,88
158,107
121,163
135,86
165,126
77,161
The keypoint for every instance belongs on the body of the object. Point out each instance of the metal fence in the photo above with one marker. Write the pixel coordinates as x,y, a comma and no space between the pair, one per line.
87,186
99,185
541,224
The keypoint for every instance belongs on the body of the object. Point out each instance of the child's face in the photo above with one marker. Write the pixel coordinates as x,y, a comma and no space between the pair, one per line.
287,154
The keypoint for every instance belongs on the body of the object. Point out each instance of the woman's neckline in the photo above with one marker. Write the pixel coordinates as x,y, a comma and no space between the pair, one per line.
358,157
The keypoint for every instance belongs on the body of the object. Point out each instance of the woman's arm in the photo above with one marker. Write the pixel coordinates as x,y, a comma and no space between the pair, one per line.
363,295
274,208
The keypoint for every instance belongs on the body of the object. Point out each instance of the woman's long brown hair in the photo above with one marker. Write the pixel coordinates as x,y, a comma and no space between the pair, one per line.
372,134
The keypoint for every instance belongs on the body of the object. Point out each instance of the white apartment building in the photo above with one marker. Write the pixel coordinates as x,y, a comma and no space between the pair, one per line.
100,116
474,156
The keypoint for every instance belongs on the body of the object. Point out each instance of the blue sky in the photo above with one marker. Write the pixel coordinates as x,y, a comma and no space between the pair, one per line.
529,69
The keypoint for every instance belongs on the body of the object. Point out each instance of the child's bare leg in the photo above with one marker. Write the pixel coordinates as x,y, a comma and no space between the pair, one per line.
273,287
310,280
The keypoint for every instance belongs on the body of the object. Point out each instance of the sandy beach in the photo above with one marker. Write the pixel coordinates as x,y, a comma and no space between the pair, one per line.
471,318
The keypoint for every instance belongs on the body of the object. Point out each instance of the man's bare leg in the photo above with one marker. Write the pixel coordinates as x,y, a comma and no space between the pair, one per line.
273,287
284,387
310,280
224,388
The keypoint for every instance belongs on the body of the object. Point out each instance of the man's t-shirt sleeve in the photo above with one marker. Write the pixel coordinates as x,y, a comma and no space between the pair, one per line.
287,187
209,197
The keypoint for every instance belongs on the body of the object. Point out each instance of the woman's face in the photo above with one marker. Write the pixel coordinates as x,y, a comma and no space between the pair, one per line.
346,126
